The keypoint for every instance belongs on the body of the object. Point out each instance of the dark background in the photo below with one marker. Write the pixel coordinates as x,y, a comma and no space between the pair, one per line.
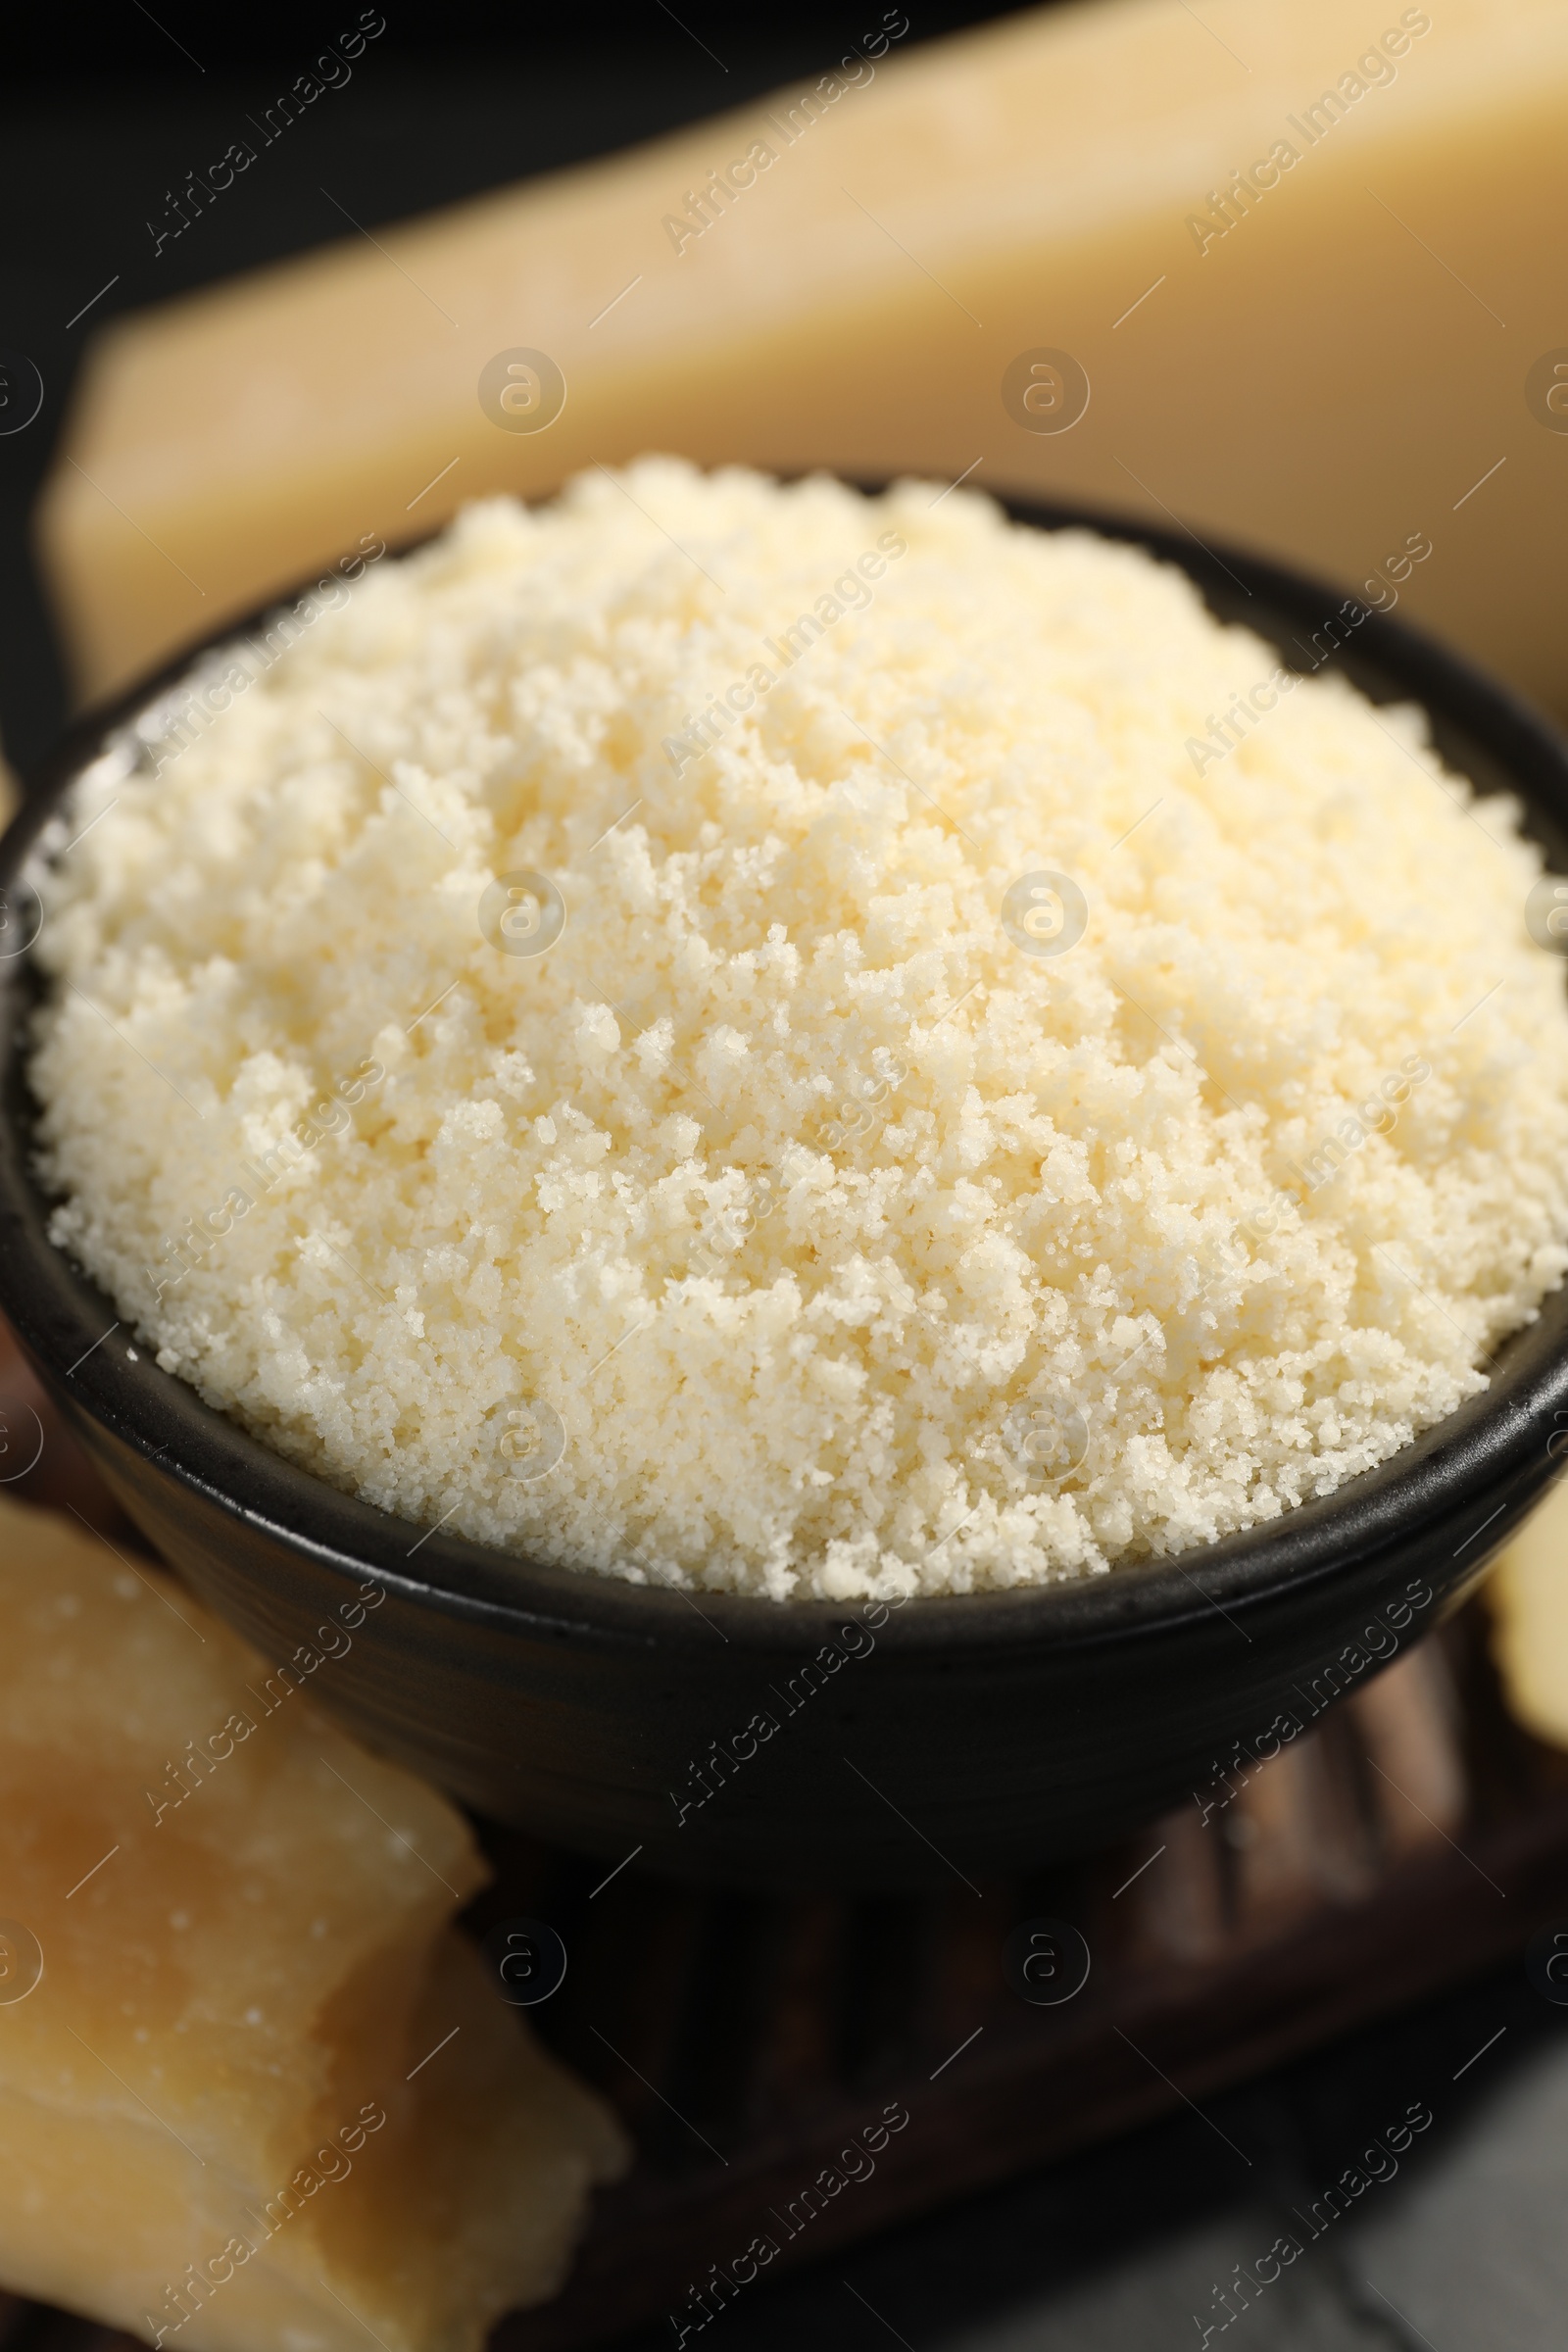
103,112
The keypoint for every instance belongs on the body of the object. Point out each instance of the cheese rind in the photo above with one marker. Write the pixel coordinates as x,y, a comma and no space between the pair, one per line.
208,2126
1337,363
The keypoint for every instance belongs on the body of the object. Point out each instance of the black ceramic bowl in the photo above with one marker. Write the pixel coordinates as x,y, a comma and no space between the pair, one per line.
951,1739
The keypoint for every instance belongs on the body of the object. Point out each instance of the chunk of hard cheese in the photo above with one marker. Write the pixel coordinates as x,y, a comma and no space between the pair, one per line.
1302,251
1528,1591
255,2090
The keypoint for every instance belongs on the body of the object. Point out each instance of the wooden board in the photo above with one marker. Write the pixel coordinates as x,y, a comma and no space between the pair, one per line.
1413,1839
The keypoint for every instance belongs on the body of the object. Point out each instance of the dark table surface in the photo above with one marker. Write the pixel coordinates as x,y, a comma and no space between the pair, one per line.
1124,2245
1122,2248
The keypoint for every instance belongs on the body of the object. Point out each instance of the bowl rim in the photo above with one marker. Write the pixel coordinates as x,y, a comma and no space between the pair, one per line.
1494,1443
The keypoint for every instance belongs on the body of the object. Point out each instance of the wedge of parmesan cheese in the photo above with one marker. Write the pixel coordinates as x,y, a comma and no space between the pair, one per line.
1283,267
255,2089
1528,1591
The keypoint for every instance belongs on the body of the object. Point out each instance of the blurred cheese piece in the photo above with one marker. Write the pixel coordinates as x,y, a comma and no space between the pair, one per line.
1302,250
1528,1591
255,2090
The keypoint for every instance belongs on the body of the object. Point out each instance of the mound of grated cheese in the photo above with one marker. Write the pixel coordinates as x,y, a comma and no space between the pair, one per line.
791,1223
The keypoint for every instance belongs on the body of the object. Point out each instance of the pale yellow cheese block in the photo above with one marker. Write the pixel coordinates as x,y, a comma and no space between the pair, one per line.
1528,1591
1332,373
214,2123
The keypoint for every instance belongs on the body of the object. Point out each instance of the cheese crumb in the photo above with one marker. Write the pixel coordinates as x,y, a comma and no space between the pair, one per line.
761,1039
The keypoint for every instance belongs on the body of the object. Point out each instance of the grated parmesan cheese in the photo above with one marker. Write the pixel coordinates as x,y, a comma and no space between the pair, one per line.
722,1033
